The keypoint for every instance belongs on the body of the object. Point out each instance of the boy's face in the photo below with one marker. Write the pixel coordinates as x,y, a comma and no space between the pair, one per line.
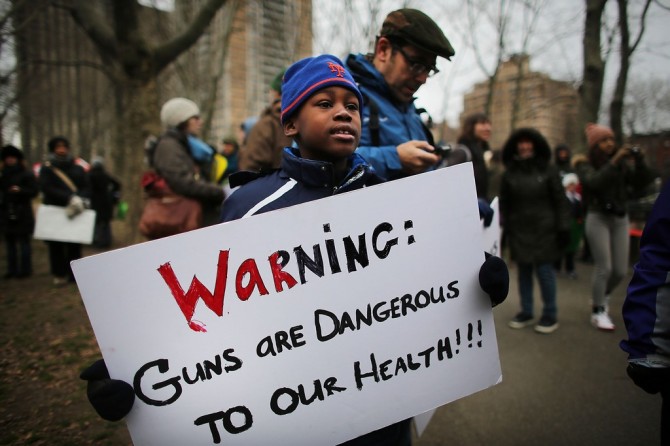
327,127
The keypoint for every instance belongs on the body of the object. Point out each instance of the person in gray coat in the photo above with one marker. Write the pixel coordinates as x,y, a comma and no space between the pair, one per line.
172,157
536,218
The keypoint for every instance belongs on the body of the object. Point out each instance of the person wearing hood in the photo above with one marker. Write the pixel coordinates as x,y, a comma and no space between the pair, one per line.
607,175
18,187
562,158
64,183
536,219
176,157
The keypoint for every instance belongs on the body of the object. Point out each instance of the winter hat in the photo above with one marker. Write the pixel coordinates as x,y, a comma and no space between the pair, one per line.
56,140
570,178
10,150
98,161
276,82
177,111
417,29
596,133
309,75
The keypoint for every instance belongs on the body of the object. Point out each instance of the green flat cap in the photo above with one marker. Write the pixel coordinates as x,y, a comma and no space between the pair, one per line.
419,30
276,81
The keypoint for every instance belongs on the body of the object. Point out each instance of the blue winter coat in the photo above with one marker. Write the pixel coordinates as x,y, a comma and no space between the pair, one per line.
646,310
297,181
398,123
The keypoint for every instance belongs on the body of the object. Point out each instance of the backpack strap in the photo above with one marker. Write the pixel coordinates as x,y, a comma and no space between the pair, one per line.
426,128
64,178
373,123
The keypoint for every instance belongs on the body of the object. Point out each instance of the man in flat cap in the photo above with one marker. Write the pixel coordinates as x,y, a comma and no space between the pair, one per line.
394,139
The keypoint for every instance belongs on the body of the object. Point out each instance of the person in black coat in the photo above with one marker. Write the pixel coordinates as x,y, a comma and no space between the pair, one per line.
475,136
56,191
18,187
536,216
105,194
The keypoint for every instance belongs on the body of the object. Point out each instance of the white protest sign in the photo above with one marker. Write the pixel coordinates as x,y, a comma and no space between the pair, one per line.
309,325
491,237
492,232
52,223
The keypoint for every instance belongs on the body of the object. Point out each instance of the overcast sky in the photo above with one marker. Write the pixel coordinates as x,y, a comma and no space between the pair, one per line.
555,46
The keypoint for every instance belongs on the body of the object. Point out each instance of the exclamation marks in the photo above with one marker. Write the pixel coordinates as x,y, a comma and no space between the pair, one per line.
472,340
458,339
409,225
479,332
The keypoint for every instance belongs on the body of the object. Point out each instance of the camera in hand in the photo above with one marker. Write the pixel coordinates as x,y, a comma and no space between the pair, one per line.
442,151
635,151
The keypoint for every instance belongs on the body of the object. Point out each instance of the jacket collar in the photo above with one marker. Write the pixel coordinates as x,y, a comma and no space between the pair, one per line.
320,174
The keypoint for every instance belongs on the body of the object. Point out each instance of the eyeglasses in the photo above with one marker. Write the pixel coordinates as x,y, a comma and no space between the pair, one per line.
417,67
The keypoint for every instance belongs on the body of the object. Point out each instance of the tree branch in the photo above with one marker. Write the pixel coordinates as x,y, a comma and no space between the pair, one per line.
164,54
642,23
88,17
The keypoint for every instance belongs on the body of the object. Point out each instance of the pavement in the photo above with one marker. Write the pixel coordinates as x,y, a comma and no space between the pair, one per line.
565,388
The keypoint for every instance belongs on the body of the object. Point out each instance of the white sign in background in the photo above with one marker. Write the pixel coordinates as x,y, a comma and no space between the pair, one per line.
317,386
52,223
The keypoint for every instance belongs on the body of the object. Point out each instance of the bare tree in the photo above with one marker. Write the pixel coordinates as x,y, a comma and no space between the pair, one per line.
647,106
626,51
10,87
135,63
590,91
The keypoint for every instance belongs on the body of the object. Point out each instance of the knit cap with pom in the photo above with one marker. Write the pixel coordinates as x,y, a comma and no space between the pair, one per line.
596,133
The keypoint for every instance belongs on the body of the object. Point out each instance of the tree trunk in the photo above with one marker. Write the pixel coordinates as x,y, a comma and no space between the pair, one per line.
137,121
616,106
626,51
590,91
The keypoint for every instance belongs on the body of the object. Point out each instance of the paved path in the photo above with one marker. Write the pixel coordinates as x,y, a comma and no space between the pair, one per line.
566,388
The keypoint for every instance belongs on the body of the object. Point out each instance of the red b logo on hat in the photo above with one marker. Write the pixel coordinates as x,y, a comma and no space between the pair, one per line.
335,68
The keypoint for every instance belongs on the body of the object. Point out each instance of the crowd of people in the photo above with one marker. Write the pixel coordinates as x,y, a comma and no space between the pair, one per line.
333,126
61,180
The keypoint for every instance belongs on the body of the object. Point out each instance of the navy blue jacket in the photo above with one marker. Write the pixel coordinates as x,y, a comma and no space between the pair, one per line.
646,310
297,181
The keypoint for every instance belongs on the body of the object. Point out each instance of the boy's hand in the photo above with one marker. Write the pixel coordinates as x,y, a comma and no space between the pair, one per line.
485,212
111,398
494,279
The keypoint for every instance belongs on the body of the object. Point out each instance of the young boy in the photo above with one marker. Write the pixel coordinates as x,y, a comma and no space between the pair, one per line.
321,111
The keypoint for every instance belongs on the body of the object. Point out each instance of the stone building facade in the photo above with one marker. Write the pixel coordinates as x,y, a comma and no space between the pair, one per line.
65,89
523,98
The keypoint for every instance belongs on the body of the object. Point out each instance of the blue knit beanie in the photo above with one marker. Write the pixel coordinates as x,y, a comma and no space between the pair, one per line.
309,75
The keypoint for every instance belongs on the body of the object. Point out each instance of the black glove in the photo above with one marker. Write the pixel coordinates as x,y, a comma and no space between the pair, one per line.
111,398
563,238
649,379
485,212
494,279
